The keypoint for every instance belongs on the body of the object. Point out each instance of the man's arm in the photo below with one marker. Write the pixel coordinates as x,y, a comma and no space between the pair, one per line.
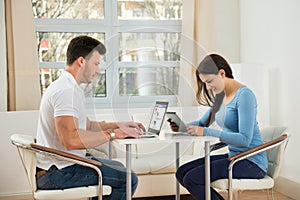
124,126
73,138
98,126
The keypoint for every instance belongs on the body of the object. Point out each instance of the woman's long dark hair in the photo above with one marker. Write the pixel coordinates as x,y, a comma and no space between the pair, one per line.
211,64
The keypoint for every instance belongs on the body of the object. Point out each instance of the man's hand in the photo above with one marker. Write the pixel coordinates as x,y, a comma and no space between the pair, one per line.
195,130
129,129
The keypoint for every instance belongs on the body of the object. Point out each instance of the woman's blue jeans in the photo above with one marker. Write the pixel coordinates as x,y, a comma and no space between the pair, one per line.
192,175
113,174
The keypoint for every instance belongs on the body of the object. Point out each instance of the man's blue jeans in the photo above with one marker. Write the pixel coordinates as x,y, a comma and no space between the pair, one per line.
113,174
192,175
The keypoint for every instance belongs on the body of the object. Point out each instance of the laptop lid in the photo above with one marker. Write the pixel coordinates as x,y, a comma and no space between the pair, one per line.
157,117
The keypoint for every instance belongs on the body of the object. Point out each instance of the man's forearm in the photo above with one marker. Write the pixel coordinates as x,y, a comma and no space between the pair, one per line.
102,126
90,140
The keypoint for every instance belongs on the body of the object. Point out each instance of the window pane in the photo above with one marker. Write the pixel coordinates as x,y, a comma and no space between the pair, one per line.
95,89
148,81
149,47
47,76
149,9
52,47
68,9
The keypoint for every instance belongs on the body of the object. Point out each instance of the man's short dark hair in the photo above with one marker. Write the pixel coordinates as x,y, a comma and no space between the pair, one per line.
83,46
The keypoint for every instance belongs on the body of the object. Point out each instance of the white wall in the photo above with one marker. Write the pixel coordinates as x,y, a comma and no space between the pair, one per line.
244,73
227,29
270,31
13,178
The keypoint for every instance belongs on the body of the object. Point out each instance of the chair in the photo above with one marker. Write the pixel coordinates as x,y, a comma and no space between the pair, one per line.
28,149
275,141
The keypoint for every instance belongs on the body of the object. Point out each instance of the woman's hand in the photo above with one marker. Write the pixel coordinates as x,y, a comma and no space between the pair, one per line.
195,130
174,127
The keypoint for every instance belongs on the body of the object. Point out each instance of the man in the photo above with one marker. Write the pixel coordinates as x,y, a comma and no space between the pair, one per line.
63,125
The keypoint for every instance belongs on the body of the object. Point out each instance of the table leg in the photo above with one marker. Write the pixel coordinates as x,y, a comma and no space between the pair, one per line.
177,165
109,150
128,171
207,170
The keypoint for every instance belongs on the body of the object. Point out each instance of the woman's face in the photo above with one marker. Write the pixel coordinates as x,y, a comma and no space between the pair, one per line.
213,82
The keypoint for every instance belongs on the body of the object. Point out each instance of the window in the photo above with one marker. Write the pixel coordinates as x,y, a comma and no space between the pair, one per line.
143,46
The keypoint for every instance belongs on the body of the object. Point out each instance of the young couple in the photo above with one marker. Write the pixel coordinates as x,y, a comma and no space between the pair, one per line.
64,125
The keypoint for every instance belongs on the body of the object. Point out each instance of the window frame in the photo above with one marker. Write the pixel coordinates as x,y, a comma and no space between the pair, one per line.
111,26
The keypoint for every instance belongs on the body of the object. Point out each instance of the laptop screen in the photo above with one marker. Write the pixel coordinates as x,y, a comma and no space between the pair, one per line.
157,116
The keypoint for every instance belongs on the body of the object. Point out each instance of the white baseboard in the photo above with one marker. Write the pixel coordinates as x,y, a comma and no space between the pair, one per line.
287,187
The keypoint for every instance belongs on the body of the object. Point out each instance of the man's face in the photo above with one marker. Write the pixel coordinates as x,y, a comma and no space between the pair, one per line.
91,67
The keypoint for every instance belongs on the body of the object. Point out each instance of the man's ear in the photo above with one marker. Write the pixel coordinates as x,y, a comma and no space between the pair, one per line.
80,61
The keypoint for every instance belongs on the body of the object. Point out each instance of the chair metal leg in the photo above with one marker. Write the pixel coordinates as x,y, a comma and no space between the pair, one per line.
230,189
267,194
272,192
268,191
235,194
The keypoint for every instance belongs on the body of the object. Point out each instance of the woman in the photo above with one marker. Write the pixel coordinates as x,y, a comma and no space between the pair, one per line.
233,107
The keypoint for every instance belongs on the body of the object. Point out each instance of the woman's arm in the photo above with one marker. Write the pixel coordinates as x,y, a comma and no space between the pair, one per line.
246,107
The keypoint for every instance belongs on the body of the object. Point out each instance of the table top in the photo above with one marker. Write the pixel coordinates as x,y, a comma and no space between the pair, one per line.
167,137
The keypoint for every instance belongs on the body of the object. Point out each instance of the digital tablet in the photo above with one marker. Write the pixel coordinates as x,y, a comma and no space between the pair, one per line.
174,118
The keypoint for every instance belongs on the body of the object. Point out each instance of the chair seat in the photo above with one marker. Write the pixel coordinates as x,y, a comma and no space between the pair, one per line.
72,193
245,184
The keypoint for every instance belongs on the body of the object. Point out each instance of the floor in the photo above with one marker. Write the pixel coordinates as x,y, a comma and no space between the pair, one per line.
244,195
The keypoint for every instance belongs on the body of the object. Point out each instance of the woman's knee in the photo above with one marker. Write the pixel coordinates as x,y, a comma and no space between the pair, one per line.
178,176
134,178
188,181
134,181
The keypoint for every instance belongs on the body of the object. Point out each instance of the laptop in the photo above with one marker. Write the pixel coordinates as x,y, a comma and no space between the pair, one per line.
156,119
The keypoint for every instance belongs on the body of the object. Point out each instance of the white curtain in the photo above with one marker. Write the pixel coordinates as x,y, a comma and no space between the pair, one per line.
3,84
197,40
23,85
